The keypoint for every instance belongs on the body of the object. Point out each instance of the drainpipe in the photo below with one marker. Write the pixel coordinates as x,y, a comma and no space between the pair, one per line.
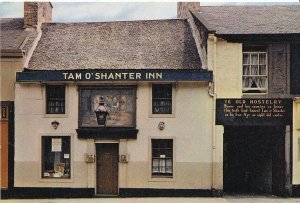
213,94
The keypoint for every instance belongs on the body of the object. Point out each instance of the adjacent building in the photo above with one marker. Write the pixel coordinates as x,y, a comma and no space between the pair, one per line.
17,38
254,53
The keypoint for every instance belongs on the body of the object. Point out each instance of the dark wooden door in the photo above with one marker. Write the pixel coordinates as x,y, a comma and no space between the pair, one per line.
107,169
254,159
278,167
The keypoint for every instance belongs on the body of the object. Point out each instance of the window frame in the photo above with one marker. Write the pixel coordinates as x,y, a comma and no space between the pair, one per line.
47,112
162,174
171,98
42,159
266,64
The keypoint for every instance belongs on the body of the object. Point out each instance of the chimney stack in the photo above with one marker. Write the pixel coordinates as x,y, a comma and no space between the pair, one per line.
184,7
36,13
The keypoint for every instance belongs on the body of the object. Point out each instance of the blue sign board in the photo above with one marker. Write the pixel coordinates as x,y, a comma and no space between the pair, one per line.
116,75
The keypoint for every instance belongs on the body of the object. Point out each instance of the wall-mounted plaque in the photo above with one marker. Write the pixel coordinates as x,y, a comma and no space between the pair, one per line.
118,102
253,111
4,112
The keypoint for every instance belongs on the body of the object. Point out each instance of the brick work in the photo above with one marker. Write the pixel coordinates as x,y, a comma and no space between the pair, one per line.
184,7
37,12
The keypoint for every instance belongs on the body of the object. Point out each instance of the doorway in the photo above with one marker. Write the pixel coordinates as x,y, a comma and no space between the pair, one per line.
4,145
254,160
107,169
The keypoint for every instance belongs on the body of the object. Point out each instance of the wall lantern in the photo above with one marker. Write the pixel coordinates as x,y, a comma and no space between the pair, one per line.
161,125
101,112
55,124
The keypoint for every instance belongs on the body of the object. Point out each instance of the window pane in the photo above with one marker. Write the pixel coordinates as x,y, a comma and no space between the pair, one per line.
161,98
247,82
246,70
155,165
262,58
56,157
254,70
169,166
254,59
262,70
162,165
162,157
55,96
246,58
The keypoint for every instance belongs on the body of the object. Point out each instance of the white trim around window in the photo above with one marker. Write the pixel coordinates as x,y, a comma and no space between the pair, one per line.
255,72
154,178
169,115
61,115
56,180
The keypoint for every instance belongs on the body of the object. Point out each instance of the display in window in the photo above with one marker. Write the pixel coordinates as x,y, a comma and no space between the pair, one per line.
56,157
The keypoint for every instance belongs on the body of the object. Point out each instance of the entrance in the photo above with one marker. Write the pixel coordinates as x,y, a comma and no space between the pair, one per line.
107,169
254,160
4,146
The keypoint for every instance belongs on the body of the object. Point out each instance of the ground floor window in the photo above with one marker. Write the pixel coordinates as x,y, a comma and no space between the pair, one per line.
56,157
162,157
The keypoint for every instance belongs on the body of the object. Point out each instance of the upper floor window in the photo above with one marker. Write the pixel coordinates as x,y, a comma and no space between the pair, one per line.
255,71
162,98
55,99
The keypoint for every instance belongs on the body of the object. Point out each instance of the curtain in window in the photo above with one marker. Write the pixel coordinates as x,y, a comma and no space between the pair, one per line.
259,82
169,166
254,71
254,82
247,82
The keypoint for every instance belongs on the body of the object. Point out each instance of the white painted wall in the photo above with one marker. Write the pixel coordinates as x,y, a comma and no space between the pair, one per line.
190,127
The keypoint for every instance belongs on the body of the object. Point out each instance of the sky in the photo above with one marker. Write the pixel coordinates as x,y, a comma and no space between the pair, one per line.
118,11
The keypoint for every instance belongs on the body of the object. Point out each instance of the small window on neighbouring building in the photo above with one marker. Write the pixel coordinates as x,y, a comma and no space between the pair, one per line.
56,157
55,96
255,70
162,157
162,98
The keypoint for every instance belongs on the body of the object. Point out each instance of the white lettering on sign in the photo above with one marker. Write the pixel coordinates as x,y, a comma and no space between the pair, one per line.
113,76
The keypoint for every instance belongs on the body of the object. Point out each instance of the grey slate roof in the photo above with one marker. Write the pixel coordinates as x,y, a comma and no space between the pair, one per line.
251,19
12,35
152,44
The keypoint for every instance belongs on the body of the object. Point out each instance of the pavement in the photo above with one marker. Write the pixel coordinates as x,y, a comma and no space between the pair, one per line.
226,199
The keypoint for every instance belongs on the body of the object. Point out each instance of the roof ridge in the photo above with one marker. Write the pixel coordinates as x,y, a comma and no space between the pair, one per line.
242,6
120,21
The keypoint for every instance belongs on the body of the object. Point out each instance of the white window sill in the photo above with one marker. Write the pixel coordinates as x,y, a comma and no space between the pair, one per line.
161,179
162,116
56,180
55,116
